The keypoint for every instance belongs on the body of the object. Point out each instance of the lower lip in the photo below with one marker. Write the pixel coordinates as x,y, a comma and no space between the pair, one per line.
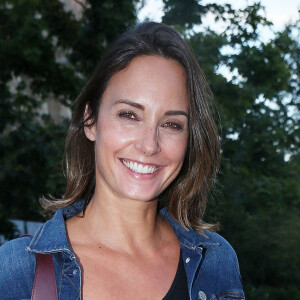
140,175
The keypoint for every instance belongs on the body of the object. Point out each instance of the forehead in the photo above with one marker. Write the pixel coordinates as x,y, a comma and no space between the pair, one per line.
150,80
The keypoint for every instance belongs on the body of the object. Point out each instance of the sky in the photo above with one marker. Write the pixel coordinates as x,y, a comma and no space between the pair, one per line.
280,12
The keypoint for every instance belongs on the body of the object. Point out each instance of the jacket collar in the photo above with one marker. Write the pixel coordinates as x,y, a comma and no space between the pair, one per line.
188,237
51,237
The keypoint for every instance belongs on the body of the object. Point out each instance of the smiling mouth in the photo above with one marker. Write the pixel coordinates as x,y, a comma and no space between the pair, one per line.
139,168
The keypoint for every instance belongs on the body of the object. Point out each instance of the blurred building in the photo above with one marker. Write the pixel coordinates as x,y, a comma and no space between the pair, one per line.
52,106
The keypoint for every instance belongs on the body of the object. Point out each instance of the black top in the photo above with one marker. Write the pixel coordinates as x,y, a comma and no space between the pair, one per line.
179,288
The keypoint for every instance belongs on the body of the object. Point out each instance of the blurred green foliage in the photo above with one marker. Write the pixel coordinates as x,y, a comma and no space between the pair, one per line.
256,84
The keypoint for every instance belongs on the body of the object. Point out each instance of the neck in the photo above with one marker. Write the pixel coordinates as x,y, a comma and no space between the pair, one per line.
119,223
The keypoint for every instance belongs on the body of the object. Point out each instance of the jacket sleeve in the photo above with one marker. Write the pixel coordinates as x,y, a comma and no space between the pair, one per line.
17,268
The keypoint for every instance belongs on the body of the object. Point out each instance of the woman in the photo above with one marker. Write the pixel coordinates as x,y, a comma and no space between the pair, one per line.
142,153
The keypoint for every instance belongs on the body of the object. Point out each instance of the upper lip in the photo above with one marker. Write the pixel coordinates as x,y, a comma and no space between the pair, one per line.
140,162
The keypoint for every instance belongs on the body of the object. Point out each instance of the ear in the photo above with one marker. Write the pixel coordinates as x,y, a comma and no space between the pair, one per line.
89,128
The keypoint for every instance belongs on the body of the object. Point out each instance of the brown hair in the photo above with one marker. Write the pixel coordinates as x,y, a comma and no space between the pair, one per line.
186,197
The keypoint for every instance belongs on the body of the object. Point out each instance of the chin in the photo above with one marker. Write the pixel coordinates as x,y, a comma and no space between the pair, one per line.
140,195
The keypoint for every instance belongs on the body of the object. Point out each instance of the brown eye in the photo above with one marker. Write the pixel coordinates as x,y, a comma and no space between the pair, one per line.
173,125
128,115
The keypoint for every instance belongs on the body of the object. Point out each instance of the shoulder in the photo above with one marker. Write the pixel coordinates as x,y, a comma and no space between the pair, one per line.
219,272
13,252
211,262
216,243
218,249
17,267
220,258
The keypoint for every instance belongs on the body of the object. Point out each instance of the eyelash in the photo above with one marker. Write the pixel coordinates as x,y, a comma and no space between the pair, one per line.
174,126
128,115
133,117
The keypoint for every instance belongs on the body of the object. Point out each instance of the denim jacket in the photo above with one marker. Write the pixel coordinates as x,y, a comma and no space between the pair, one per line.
210,262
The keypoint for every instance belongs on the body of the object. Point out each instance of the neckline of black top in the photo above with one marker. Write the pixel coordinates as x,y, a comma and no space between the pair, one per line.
179,288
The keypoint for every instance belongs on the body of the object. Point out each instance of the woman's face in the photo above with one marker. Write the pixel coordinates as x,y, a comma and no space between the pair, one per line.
142,129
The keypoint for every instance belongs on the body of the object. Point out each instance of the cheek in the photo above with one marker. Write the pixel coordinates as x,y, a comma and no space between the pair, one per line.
175,147
112,135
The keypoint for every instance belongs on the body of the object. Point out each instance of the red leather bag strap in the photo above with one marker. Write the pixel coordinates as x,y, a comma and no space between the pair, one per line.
44,284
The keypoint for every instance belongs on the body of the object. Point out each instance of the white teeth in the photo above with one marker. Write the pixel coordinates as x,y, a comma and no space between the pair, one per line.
145,169
139,168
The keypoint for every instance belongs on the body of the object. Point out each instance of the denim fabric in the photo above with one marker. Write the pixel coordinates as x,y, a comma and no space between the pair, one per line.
210,262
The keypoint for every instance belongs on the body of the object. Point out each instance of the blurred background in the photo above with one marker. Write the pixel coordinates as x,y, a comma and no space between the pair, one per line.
251,58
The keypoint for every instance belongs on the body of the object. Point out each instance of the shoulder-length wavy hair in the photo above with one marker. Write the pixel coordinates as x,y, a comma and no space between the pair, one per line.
186,197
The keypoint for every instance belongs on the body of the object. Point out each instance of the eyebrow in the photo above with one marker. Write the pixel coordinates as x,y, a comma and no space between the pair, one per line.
134,104
176,113
142,107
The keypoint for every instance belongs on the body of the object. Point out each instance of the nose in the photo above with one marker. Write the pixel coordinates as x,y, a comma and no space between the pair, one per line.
148,143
